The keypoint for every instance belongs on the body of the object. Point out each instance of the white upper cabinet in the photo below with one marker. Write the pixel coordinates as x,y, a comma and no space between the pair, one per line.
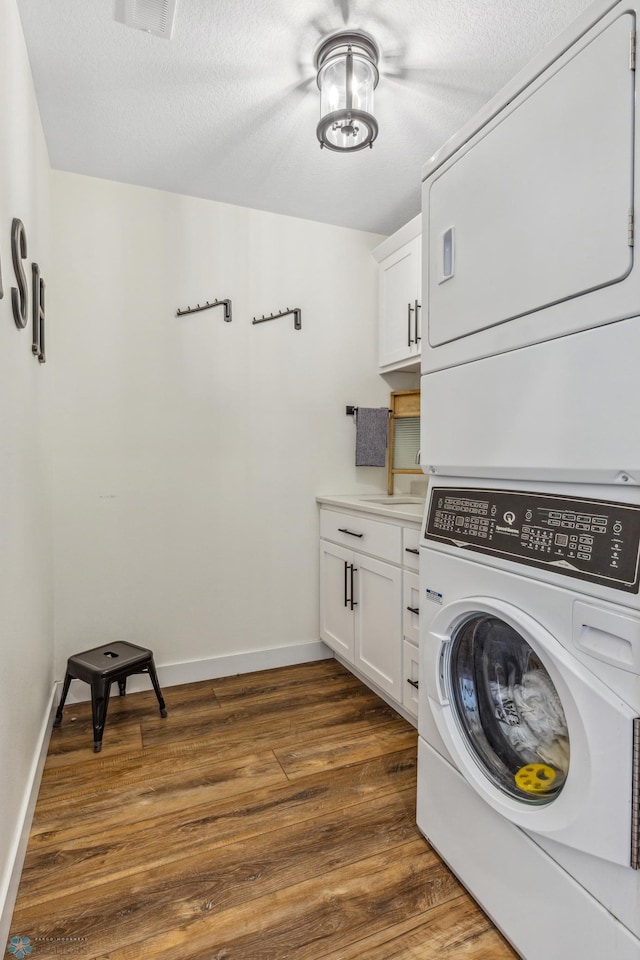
400,296
528,218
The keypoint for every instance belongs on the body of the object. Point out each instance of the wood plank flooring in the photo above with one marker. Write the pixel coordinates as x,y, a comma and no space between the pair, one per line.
270,816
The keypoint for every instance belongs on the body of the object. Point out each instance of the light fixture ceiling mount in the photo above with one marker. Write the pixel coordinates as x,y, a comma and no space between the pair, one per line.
347,65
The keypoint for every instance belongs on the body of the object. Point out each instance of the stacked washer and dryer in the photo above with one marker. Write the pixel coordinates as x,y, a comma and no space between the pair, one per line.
529,748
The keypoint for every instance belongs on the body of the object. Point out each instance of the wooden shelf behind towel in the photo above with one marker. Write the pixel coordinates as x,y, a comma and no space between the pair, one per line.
404,405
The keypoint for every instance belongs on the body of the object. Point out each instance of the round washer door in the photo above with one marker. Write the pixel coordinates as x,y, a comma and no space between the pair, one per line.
508,709
535,734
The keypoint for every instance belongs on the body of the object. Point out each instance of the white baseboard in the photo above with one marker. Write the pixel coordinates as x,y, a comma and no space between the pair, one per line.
11,880
170,675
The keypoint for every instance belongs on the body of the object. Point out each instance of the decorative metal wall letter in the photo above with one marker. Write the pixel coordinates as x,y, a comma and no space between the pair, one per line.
297,317
19,295
38,286
208,306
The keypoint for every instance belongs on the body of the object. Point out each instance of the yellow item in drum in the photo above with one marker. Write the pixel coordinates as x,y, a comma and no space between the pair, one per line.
535,778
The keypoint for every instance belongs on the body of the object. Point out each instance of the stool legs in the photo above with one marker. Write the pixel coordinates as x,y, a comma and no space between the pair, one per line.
156,686
63,697
99,703
100,691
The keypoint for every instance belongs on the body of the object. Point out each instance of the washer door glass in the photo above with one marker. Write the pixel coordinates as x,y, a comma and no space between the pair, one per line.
508,710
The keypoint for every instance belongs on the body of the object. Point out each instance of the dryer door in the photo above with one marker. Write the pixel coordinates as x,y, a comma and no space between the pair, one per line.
533,211
542,740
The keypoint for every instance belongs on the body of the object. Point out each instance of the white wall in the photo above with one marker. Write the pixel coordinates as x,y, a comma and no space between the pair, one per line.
26,640
188,451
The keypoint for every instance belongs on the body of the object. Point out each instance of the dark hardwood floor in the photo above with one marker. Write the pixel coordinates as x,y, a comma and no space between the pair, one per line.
271,816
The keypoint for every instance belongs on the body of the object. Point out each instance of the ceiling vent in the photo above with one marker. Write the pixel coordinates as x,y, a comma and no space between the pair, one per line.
151,16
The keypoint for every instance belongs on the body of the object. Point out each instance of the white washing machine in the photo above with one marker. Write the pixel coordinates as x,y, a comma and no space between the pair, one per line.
529,748
531,292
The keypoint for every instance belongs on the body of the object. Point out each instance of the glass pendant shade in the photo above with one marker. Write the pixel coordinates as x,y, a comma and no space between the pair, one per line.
347,77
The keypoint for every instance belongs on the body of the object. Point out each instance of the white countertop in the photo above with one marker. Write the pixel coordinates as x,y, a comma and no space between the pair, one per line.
398,507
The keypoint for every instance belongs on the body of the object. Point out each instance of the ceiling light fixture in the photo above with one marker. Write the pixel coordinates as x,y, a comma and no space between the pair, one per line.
347,76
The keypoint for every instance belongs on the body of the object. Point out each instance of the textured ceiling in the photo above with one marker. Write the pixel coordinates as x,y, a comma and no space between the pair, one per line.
227,109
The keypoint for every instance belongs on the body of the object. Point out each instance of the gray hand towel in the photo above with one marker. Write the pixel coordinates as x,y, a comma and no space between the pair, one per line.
372,427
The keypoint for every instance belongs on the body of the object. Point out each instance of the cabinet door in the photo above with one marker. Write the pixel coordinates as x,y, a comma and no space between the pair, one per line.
400,304
378,623
336,613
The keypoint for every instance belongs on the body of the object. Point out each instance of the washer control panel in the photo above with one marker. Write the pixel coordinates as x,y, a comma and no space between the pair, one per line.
593,540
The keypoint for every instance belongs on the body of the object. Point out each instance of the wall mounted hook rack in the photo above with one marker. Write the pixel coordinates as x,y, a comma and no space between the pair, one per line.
297,317
208,306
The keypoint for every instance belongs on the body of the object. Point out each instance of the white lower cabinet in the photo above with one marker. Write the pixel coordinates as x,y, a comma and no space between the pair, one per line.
360,613
363,599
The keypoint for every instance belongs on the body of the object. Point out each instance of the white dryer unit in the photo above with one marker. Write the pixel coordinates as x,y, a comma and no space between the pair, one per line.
529,750
531,290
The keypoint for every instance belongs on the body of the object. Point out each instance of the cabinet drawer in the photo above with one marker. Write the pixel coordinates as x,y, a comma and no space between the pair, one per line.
360,533
410,674
410,547
410,605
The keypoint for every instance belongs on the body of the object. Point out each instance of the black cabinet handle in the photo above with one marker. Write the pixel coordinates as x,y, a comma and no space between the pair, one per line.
409,312
415,610
412,550
416,308
350,532
348,600
414,683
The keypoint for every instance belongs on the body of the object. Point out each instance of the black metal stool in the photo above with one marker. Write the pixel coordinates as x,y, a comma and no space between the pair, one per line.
101,667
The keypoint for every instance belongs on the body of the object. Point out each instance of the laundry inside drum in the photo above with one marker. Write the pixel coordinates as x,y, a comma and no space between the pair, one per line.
509,710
